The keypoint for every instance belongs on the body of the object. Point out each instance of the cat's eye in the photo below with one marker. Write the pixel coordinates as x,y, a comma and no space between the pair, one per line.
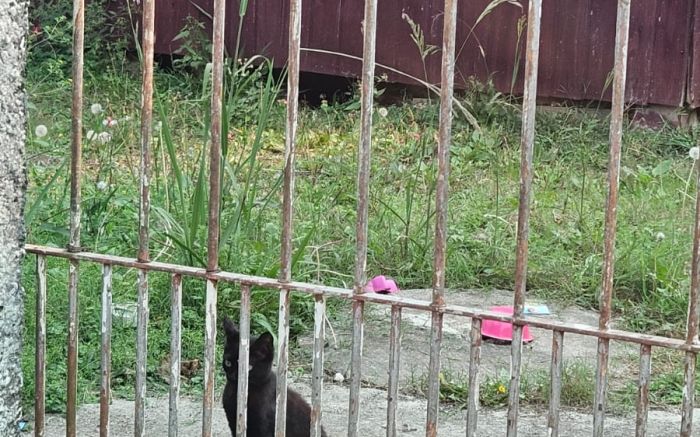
227,363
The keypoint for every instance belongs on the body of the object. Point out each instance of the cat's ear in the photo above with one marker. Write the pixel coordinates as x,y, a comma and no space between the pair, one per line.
230,328
263,348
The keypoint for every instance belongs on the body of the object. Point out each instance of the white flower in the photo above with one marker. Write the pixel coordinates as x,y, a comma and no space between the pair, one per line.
660,236
101,186
90,135
110,122
40,131
96,108
383,112
104,137
339,378
694,152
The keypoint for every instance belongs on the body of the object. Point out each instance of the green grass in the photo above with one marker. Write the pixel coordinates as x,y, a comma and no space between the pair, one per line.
569,191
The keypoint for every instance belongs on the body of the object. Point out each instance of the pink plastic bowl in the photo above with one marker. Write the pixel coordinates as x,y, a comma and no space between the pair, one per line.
503,330
380,284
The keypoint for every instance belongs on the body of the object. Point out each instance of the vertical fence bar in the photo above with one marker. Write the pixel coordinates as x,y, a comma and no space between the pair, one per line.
474,364
527,143
75,213
294,48
40,351
243,362
219,25
555,384
643,394
394,368
369,28
317,371
148,40
441,201
616,121
175,352
106,355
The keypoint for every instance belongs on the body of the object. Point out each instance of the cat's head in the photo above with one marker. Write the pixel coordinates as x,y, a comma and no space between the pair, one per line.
260,356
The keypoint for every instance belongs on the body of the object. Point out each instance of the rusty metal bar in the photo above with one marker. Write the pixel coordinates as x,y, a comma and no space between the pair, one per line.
243,362
75,213
219,25
40,349
441,202
141,355
394,369
616,122
527,143
474,364
557,364
106,353
317,371
288,212
175,352
148,40
347,294
643,394
369,28
209,356
689,375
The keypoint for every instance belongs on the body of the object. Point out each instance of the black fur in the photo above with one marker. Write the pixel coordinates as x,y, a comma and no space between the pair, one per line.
261,389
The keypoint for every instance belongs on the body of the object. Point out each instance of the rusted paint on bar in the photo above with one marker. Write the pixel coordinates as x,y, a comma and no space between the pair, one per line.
369,30
175,352
527,143
394,368
214,210
616,122
290,138
147,42
40,349
555,383
317,370
217,88
282,364
643,394
288,212
691,337
209,356
75,213
689,375
243,361
474,365
347,294
141,355
106,353
441,203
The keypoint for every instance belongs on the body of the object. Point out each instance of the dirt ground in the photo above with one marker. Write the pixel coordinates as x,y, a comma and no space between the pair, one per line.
414,362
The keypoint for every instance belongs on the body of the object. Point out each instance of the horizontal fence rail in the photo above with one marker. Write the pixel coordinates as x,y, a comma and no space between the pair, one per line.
212,276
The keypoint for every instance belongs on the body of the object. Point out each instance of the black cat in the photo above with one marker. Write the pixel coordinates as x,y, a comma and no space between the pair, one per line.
261,389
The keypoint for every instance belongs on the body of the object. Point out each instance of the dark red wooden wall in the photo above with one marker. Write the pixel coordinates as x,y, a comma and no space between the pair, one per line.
576,52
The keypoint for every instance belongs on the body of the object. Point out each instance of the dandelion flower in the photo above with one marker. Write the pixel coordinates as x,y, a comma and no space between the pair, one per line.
101,186
90,135
501,388
110,122
383,112
96,108
694,152
104,137
660,236
40,131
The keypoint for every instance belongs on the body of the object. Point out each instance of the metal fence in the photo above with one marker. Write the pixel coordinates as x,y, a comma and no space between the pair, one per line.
284,285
